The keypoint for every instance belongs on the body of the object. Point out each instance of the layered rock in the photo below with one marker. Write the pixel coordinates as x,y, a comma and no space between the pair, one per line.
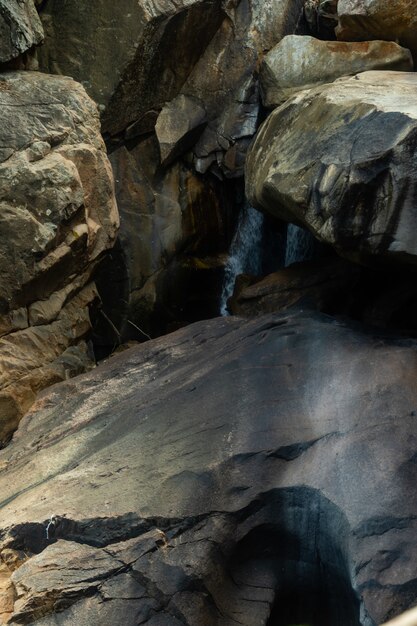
378,19
58,215
302,62
232,471
341,160
20,28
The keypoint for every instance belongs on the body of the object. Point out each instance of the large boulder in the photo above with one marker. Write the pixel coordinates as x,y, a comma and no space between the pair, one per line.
342,161
301,62
20,28
57,216
378,19
231,472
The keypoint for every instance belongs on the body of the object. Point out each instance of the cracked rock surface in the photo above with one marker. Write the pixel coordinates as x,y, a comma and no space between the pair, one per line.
20,28
234,472
58,215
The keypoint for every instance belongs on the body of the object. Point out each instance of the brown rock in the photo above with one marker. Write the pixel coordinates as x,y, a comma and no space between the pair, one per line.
58,217
378,19
301,62
316,284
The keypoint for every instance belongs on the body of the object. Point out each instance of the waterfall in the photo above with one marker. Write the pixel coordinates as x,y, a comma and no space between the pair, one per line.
245,254
300,245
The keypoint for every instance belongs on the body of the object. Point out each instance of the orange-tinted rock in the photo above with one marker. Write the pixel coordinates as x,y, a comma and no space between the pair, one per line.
301,62
394,20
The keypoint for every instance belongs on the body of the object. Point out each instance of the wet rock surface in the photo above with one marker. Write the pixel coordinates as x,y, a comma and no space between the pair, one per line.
58,215
219,475
340,160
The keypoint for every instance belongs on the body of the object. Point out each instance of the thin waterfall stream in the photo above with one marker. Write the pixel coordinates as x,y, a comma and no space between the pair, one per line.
246,250
245,255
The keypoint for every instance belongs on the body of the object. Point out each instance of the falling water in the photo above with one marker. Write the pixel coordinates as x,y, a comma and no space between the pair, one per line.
245,255
300,245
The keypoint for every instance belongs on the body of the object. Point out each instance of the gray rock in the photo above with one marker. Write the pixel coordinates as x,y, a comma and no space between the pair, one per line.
178,126
301,62
232,471
20,28
341,160
137,59
58,215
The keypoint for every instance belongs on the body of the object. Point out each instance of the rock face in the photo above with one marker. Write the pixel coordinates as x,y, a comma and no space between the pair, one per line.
138,58
175,230
178,88
58,215
302,62
233,471
341,160
378,19
20,28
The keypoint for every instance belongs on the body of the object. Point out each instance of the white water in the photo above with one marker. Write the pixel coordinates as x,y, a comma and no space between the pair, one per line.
300,245
245,254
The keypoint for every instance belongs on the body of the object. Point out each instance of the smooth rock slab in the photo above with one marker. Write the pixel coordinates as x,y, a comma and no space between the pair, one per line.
341,160
236,470
301,62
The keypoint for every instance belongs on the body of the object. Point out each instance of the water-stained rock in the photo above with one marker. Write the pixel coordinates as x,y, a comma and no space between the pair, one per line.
301,62
58,215
20,28
232,471
341,160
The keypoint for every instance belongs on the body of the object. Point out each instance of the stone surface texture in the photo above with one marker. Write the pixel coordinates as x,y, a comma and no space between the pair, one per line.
378,19
300,62
341,161
20,28
178,91
231,472
315,284
58,215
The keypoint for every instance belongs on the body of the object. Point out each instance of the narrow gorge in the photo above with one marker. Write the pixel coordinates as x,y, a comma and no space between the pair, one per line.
208,312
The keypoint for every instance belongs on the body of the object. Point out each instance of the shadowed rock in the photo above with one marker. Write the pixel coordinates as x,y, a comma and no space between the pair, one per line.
249,471
20,28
